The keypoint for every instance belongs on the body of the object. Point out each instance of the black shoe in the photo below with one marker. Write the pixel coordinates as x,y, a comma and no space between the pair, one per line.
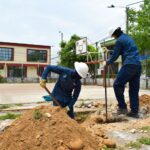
121,111
133,114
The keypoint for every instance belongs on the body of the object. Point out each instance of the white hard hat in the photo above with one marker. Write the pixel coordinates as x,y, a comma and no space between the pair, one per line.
112,29
81,68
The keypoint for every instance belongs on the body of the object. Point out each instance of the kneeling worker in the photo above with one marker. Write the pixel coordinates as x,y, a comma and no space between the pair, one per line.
68,85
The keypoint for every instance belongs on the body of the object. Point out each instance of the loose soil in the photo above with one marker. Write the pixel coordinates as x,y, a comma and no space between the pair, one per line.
54,131
124,129
145,101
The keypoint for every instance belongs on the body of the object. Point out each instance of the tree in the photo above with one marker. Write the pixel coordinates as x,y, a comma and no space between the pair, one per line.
68,54
139,26
139,29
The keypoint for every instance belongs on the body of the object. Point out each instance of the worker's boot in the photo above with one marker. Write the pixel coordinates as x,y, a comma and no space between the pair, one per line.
121,111
133,114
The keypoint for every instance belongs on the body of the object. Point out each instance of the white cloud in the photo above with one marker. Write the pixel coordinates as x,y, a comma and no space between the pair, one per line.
39,21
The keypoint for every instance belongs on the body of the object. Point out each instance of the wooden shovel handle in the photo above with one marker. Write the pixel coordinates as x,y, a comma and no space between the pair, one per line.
54,99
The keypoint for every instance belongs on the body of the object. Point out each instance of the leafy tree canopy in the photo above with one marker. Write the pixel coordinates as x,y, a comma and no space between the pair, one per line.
68,54
139,26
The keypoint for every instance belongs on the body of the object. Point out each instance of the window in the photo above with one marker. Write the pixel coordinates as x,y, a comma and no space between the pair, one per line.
6,54
36,55
17,71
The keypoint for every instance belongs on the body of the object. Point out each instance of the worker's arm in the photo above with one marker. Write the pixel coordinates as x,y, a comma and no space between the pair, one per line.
49,69
76,93
53,68
75,96
116,53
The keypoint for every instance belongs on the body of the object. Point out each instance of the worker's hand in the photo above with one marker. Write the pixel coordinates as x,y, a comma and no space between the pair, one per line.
43,83
105,50
104,63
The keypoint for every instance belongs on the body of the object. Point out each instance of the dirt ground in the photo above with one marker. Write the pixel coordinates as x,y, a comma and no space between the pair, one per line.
50,128
122,133
123,130
145,101
47,128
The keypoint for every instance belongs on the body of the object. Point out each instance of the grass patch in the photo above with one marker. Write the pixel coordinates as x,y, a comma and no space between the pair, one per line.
136,145
105,148
145,128
9,116
40,102
5,106
37,114
81,117
144,140
19,104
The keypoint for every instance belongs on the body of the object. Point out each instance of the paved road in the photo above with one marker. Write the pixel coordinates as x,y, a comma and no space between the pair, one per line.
32,92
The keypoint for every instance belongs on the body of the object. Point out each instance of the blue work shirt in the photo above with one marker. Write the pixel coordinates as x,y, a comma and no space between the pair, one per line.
126,47
67,88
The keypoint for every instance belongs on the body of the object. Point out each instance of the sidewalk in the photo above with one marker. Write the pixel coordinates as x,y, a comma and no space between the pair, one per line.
32,92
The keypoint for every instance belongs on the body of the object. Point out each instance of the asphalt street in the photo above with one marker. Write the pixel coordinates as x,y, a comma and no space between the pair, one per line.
32,92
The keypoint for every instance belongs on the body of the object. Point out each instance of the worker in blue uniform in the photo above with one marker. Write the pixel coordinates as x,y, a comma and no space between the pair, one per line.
129,73
68,85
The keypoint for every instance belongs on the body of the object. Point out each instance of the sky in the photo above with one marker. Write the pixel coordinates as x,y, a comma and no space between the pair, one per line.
39,21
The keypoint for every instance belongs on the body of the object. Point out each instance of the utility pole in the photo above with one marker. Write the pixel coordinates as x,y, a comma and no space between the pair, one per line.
61,35
127,18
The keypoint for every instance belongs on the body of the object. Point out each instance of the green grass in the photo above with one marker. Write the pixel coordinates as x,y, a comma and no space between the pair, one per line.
37,114
9,116
145,128
136,145
5,106
81,117
19,104
144,140
109,148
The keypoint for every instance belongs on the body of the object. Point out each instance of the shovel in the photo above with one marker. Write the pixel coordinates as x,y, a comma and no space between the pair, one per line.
53,98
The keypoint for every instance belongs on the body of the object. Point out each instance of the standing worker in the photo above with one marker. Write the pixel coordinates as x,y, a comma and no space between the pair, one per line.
68,85
129,72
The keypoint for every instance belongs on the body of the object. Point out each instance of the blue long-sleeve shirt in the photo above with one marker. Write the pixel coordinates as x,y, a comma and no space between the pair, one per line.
126,47
67,88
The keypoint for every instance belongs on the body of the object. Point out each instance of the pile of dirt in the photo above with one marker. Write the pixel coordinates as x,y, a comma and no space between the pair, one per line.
95,124
47,128
145,101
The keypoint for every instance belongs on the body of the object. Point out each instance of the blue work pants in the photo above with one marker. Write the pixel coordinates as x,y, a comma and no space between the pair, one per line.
128,73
